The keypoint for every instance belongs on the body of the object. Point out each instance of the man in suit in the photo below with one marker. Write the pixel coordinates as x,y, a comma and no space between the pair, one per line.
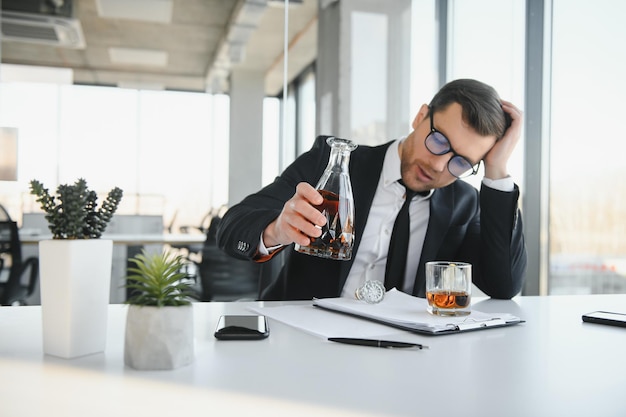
464,124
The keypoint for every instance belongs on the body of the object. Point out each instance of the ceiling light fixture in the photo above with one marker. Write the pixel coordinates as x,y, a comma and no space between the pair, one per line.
137,56
157,11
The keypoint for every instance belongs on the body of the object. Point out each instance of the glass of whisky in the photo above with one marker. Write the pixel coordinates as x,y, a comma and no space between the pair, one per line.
448,288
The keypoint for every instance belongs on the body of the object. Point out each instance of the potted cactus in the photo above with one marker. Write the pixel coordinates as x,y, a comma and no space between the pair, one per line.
75,268
159,324
74,212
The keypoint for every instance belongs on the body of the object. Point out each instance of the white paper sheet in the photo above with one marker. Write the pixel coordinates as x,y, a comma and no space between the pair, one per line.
324,323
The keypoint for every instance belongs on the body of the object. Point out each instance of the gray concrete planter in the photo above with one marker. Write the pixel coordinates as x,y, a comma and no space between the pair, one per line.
159,338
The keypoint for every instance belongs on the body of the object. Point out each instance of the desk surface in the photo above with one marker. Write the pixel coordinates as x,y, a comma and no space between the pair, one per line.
552,365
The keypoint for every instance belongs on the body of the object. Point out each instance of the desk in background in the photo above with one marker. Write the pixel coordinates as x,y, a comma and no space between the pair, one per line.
124,246
129,233
182,239
552,365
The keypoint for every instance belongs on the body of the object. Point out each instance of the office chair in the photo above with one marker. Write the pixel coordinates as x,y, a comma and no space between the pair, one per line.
191,252
222,277
204,224
14,290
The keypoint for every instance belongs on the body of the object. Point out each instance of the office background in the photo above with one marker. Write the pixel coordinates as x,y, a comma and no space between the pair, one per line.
182,153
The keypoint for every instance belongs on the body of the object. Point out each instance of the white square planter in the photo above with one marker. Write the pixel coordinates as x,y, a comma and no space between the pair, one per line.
75,289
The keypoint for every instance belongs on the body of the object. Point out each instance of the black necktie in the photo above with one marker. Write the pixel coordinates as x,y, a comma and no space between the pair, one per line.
399,244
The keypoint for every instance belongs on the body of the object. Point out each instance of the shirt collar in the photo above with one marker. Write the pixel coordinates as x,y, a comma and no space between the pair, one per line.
391,166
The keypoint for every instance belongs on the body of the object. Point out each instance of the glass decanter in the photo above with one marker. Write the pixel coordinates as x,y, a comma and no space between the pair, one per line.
337,237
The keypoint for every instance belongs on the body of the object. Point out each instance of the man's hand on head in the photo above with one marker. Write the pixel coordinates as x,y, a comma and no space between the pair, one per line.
497,158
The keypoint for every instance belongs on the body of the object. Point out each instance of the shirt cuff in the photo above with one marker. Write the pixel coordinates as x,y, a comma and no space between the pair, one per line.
503,184
263,250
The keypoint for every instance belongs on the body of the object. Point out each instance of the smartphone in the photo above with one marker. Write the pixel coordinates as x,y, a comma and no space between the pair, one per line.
232,327
605,317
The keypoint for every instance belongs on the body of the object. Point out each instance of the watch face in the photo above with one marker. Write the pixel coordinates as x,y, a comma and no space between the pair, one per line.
371,292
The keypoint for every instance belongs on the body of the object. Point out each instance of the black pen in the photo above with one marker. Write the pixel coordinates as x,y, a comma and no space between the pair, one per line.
376,343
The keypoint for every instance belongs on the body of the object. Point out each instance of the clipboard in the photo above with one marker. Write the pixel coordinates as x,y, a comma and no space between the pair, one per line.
406,312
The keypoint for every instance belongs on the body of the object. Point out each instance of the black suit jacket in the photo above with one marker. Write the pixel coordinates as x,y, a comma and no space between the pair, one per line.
484,229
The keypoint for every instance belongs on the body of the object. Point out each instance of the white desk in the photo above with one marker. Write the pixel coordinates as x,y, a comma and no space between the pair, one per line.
552,365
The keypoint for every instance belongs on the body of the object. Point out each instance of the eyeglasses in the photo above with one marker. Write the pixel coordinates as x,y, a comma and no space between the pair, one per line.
438,144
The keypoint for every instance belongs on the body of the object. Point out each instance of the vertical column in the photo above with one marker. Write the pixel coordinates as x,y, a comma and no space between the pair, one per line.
327,71
363,69
537,144
441,14
399,115
246,133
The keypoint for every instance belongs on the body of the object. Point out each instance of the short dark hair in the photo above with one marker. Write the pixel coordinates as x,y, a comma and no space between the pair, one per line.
481,106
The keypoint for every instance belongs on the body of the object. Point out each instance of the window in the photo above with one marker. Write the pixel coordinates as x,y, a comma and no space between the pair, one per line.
299,126
486,42
164,149
271,140
306,111
369,61
587,191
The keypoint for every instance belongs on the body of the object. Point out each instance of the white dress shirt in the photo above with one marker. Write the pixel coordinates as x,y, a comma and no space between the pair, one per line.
371,258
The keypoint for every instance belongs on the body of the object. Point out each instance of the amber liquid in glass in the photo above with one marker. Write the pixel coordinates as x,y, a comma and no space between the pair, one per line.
332,242
448,302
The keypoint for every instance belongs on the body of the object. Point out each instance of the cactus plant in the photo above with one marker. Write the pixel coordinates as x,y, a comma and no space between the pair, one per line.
73,213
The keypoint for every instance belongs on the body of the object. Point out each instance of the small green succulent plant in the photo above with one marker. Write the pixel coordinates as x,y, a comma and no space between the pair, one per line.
157,280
